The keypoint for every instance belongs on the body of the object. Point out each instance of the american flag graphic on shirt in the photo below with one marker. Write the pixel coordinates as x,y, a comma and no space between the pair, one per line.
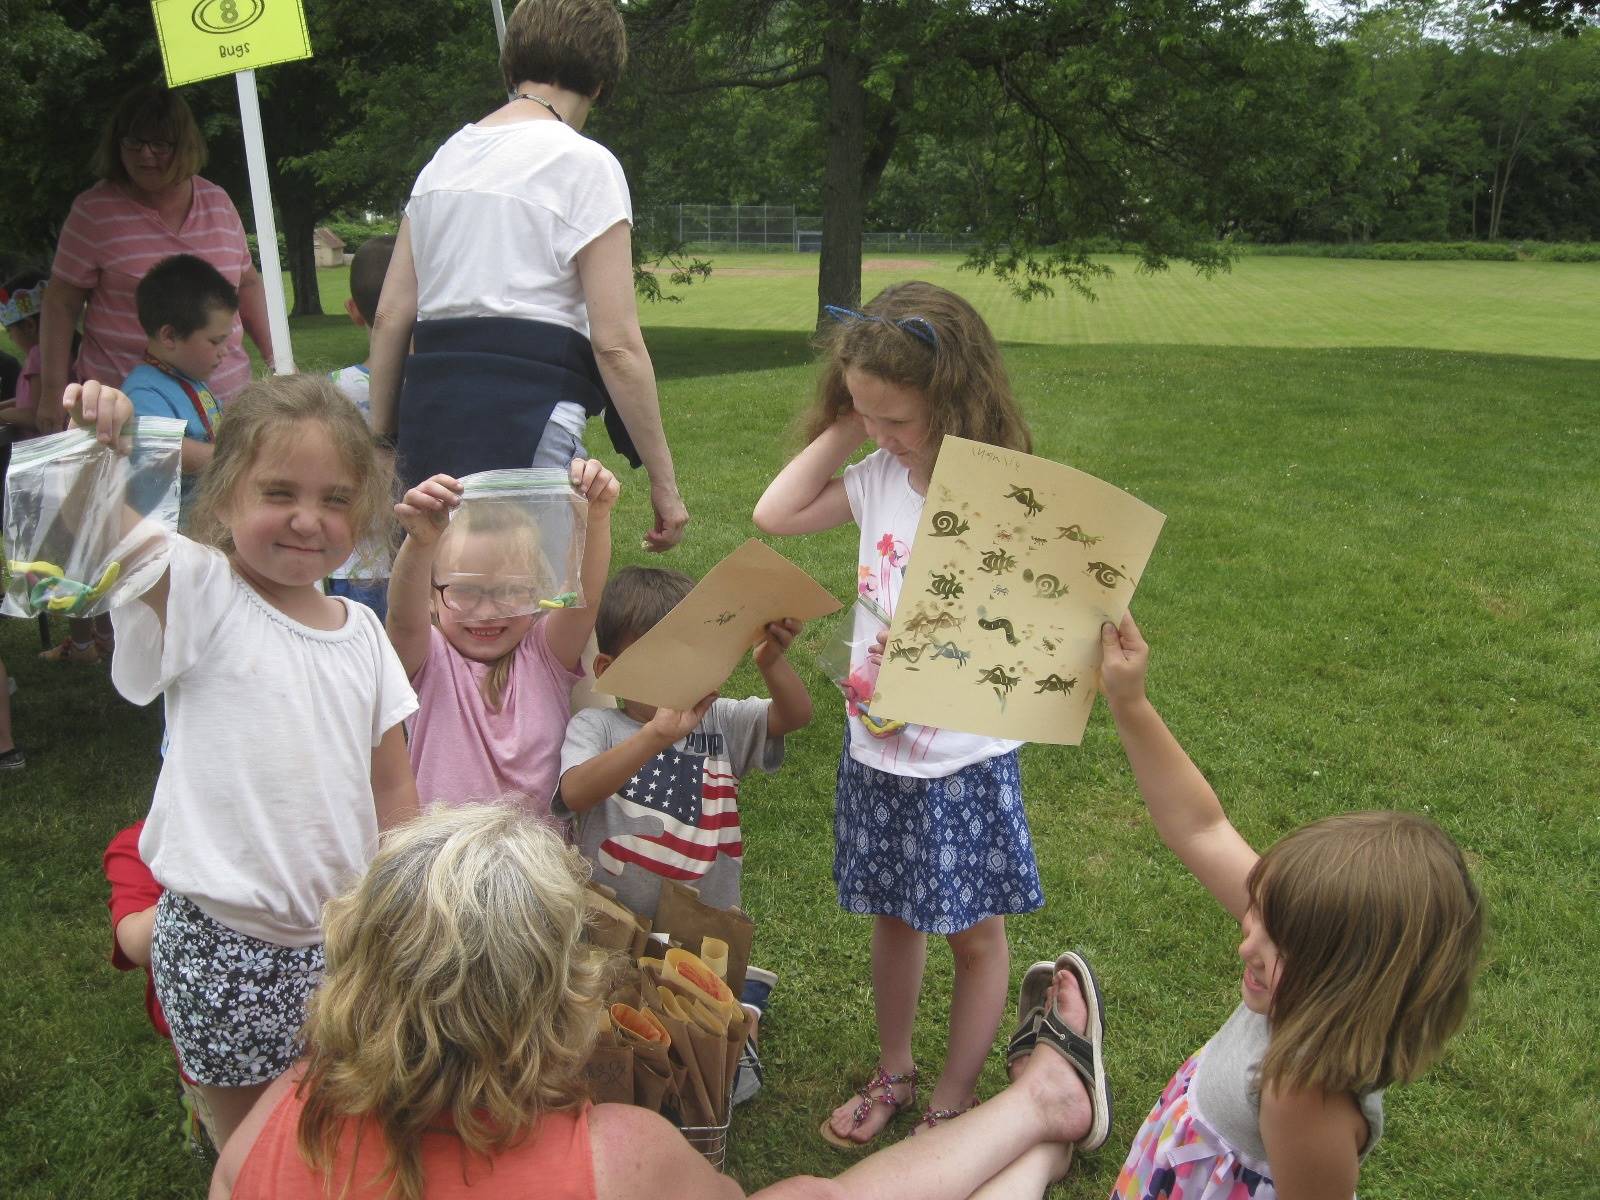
692,791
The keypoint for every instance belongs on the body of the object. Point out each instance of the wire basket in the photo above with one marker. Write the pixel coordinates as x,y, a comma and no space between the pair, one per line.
710,1140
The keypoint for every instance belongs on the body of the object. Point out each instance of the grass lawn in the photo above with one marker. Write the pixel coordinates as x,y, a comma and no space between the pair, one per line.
1377,587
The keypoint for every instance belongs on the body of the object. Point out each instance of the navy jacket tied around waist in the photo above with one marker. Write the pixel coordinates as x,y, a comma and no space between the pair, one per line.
479,391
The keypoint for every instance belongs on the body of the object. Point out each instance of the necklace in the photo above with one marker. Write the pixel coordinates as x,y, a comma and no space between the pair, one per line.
540,100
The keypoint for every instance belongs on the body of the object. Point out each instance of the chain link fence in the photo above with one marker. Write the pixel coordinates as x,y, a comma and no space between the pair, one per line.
755,228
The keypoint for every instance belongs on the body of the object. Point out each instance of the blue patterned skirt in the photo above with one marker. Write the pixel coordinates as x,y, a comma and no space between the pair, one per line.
939,854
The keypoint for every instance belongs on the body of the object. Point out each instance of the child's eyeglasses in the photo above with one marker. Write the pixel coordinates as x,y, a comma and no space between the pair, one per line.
155,145
501,599
918,327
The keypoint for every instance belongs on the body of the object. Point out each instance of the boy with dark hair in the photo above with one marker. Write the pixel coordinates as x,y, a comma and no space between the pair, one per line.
187,310
364,576
655,791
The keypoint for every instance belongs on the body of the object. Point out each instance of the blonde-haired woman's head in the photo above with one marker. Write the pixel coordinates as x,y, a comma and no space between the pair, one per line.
293,438
457,991
1378,928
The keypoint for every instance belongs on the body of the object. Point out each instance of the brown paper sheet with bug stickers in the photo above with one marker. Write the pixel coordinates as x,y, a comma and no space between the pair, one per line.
1017,563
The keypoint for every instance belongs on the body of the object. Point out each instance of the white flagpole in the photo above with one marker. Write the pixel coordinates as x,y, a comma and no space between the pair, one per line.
499,22
255,153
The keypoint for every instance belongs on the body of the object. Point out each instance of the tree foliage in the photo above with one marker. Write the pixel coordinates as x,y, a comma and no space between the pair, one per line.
1041,124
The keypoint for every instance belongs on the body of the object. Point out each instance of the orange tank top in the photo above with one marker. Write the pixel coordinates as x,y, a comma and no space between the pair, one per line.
554,1163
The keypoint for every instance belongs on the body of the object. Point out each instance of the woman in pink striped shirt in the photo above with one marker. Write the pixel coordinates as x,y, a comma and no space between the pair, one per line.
150,203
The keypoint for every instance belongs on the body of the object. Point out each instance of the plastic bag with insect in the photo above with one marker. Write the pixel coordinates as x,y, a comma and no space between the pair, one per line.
850,659
514,546
87,526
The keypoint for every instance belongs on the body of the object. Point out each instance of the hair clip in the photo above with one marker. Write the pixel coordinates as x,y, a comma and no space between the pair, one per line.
918,327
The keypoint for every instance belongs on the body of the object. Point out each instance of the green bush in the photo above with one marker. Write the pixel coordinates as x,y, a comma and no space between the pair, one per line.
1434,251
354,231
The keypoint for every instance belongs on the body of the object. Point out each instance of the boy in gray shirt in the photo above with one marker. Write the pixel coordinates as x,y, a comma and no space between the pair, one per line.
655,791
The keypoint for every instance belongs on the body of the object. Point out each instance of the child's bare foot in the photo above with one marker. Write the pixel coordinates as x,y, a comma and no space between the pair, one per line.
862,1117
1058,1089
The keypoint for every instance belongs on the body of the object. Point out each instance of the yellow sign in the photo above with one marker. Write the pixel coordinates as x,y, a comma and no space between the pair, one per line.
201,39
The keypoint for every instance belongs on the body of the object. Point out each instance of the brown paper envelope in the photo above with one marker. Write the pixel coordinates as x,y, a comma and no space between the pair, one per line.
692,969
609,1074
693,649
710,1052
695,1094
652,1082
638,1026
690,920
694,1008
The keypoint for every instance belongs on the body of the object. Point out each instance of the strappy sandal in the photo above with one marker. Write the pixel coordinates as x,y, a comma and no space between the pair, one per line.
934,1117
1084,1051
878,1090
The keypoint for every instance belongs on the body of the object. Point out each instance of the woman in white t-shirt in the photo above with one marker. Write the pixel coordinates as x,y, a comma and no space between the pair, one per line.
513,269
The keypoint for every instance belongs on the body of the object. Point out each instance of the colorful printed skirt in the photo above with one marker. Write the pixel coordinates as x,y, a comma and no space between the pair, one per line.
1176,1156
939,854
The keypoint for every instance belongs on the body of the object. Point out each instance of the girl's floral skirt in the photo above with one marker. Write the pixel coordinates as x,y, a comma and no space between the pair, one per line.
234,1003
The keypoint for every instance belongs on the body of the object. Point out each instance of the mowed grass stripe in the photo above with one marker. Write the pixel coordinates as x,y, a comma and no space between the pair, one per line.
1541,309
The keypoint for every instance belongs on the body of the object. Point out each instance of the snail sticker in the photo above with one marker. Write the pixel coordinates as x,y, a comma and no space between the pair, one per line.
1104,574
947,524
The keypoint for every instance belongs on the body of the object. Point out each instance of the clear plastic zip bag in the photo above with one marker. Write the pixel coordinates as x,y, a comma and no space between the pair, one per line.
87,527
514,545
850,658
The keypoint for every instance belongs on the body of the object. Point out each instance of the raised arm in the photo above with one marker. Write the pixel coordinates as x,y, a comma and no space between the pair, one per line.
106,412
58,319
791,702
605,271
567,630
391,334
424,514
591,781
808,495
1186,812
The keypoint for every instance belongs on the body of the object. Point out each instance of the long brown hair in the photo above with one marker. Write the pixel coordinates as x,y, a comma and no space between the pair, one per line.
457,992
1379,928
951,358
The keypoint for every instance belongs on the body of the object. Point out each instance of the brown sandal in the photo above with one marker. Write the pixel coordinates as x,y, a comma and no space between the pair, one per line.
878,1090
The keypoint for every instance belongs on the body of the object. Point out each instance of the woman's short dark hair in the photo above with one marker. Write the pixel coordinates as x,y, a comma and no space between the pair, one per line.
579,45
158,114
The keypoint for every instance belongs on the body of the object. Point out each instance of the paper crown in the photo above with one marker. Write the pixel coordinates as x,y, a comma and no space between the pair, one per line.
20,304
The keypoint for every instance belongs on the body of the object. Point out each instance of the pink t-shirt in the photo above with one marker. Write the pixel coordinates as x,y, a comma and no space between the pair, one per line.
462,751
108,243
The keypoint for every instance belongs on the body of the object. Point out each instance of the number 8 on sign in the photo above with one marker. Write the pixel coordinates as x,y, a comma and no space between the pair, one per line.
227,16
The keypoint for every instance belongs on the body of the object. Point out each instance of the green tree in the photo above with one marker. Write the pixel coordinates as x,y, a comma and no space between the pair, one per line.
1146,120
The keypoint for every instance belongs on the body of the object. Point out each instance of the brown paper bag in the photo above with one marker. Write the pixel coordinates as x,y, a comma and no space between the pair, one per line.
609,1074
652,1080
612,926
690,920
